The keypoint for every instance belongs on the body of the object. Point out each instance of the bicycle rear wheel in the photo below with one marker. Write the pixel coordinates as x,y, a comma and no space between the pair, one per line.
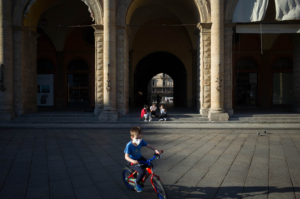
125,174
161,192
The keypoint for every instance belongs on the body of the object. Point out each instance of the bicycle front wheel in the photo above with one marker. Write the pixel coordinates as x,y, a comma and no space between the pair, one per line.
125,174
160,189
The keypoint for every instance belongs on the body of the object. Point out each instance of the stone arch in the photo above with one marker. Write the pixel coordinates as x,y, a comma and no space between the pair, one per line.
202,5
21,5
229,10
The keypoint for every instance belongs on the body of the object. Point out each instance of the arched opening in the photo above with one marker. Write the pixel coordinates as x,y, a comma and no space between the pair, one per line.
246,83
71,49
158,29
283,90
78,84
156,63
160,90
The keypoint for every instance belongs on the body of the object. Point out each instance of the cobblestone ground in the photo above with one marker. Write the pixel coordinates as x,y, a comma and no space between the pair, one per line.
196,164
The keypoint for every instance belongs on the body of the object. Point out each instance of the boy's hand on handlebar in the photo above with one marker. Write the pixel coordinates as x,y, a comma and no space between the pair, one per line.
158,152
135,162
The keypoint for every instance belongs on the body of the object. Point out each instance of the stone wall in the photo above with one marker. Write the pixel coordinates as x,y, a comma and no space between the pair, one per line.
99,84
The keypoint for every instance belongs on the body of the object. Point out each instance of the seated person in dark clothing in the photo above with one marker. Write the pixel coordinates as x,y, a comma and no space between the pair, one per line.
153,110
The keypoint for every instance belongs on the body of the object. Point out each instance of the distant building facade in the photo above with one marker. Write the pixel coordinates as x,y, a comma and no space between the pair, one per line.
161,86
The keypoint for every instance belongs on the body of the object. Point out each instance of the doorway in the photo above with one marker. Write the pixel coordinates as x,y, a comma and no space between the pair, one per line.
78,84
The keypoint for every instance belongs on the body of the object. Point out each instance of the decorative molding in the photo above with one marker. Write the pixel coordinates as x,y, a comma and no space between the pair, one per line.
108,81
29,7
90,10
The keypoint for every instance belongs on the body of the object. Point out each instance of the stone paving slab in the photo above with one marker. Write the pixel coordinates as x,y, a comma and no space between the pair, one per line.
197,163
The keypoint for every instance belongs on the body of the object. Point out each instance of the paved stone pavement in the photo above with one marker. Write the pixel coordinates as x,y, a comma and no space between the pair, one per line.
87,163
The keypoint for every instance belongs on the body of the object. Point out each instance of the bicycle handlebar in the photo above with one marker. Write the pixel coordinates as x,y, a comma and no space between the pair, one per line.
150,160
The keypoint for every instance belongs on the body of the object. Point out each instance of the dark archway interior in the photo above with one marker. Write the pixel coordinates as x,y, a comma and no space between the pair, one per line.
153,64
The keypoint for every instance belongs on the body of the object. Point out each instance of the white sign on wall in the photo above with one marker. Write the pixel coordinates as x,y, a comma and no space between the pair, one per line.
45,90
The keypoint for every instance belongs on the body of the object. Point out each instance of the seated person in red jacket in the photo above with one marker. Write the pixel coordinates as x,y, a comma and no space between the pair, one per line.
145,114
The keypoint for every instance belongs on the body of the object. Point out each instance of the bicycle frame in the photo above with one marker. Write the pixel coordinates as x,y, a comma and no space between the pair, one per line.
150,172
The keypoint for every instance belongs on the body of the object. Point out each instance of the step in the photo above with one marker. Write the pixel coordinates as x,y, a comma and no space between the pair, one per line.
56,115
55,119
266,118
265,115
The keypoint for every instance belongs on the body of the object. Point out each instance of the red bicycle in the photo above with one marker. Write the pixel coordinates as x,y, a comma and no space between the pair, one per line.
129,175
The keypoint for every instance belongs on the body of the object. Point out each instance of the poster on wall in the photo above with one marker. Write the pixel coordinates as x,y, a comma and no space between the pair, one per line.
45,90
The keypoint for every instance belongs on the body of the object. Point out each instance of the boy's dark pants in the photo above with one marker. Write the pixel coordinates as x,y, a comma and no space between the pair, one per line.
140,169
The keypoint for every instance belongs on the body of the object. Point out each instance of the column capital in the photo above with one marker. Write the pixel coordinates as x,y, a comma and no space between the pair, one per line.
204,27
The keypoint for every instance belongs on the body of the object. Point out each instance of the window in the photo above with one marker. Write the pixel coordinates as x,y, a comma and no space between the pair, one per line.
153,83
153,90
164,83
164,90
164,75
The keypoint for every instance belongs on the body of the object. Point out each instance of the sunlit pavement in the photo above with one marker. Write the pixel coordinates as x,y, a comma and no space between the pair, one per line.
87,163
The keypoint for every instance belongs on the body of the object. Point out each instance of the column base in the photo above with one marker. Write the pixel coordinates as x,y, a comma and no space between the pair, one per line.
108,115
218,116
6,115
204,112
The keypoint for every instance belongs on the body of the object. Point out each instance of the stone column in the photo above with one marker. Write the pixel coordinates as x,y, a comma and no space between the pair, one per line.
122,70
204,68
59,78
296,73
131,86
25,70
217,111
109,111
99,84
228,68
194,78
6,58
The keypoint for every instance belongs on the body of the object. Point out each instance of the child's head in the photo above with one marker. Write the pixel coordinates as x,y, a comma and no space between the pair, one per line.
162,106
154,104
145,106
136,132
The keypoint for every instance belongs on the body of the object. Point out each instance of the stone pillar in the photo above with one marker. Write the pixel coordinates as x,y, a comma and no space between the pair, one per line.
296,73
59,78
25,70
194,78
6,58
131,87
122,70
99,84
217,110
109,111
204,68
228,68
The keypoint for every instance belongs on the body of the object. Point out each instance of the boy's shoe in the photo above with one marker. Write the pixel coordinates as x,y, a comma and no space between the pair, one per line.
150,119
165,119
133,182
138,188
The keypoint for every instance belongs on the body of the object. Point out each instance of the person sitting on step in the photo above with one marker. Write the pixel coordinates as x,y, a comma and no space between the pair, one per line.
145,114
153,110
163,114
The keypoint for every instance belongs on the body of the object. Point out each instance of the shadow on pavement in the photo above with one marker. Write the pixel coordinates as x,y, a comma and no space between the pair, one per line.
231,192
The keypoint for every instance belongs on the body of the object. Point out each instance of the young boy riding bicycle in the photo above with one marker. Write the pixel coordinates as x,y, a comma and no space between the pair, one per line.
133,154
